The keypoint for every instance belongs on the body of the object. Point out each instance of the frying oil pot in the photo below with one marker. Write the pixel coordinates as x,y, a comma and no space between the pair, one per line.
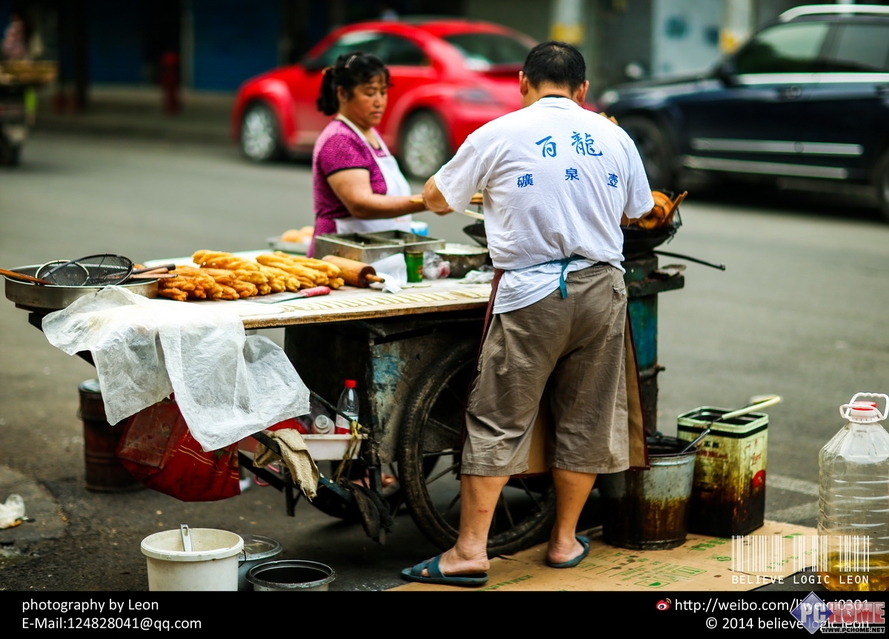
648,509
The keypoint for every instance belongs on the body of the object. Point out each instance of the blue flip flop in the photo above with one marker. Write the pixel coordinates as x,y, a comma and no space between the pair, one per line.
585,542
436,576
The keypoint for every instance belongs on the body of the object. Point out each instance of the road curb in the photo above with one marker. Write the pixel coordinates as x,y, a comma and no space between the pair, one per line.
175,132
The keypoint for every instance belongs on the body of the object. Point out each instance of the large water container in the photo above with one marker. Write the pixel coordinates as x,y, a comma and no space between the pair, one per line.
853,516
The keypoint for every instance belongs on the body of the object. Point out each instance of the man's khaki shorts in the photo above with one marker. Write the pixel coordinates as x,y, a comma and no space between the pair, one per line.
572,347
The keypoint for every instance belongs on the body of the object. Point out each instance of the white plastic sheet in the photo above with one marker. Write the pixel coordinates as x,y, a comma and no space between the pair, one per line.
228,385
12,511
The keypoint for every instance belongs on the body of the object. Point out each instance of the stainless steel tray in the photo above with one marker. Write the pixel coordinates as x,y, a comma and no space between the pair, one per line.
51,297
370,247
277,244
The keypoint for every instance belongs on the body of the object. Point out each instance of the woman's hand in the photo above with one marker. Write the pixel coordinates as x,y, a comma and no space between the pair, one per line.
353,189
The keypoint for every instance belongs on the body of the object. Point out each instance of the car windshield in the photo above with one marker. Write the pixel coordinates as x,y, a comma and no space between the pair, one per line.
486,50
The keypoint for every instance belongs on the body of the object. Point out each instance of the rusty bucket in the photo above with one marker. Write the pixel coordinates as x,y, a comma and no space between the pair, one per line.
104,472
648,509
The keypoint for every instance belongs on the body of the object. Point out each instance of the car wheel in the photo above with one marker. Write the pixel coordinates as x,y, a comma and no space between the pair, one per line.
655,149
424,145
10,154
882,185
260,133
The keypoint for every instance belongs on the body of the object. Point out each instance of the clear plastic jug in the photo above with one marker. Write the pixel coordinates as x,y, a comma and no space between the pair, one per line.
853,514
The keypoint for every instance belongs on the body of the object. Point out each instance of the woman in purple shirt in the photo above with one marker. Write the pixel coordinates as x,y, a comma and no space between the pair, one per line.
357,184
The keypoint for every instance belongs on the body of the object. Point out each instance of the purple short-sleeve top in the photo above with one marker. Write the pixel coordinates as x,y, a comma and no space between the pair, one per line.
339,148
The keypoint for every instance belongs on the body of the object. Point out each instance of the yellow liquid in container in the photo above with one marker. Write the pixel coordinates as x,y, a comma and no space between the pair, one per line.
843,576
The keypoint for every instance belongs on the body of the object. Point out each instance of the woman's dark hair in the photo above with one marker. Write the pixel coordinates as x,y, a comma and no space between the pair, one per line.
556,63
350,70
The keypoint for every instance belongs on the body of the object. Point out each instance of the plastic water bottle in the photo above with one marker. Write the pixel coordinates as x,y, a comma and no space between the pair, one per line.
853,516
348,406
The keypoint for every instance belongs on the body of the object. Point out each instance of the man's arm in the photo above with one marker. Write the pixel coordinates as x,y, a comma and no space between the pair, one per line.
433,200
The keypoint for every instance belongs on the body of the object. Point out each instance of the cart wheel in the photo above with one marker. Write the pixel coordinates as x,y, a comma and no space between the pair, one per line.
429,457
10,154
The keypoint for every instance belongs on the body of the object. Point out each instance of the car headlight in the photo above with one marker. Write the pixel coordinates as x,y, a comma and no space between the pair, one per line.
608,98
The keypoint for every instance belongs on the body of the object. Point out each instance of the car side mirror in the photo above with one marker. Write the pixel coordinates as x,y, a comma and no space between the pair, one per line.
725,72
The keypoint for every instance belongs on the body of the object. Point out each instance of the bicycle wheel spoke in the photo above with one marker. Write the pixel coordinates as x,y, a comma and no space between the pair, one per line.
442,426
446,471
531,494
453,502
504,502
434,454
455,396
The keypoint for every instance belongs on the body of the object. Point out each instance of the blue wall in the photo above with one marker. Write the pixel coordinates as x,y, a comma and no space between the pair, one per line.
233,41
115,42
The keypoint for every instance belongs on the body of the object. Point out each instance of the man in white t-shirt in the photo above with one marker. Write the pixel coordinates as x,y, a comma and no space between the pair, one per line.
557,180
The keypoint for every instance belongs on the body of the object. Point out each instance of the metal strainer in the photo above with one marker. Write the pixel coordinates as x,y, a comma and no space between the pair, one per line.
103,269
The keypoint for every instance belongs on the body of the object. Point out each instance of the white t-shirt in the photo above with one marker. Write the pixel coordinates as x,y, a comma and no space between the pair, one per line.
556,179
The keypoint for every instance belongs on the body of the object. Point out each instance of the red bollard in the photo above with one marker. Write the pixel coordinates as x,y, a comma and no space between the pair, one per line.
169,81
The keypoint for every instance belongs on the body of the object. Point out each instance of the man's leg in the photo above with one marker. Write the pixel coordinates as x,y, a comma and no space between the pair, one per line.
478,499
572,491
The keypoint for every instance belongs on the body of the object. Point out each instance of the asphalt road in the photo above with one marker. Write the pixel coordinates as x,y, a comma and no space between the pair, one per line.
799,311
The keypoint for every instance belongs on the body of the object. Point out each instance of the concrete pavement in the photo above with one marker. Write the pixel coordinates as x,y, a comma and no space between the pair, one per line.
139,111
119,112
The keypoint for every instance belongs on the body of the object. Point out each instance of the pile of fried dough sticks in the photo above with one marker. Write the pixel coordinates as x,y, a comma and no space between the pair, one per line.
225,276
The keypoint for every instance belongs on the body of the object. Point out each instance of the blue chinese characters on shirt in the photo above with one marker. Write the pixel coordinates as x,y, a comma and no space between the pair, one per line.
583,144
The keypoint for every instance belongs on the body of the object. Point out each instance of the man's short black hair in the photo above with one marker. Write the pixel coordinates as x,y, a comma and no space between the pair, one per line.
556,63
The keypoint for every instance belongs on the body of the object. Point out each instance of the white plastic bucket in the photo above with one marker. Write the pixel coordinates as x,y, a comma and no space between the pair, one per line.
290,575
212,563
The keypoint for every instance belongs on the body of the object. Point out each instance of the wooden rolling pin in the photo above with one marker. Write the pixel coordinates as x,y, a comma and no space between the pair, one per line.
353,272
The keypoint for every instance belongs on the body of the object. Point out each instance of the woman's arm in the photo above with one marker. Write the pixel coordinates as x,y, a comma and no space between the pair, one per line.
352,187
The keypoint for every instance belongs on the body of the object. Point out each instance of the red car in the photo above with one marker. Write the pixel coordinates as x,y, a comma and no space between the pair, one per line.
449,76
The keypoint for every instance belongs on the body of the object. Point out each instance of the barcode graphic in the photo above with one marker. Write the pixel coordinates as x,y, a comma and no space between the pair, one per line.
774,553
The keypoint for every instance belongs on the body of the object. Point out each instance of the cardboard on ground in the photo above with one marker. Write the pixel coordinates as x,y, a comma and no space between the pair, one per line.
700,564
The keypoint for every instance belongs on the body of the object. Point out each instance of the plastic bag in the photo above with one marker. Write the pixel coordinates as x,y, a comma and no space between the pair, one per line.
393,270
481,276
228,385
12,512
158,449
435,267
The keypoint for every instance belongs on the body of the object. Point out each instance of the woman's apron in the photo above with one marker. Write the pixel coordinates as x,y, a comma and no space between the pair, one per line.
396,184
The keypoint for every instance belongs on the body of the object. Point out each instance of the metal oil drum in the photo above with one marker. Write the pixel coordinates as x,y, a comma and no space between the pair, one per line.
729,489
647,509
104,472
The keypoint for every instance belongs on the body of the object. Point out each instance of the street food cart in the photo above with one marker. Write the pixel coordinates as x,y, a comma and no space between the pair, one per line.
412,353
19,81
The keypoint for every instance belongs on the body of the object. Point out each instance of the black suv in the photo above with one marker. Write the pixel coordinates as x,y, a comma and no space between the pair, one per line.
806,97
